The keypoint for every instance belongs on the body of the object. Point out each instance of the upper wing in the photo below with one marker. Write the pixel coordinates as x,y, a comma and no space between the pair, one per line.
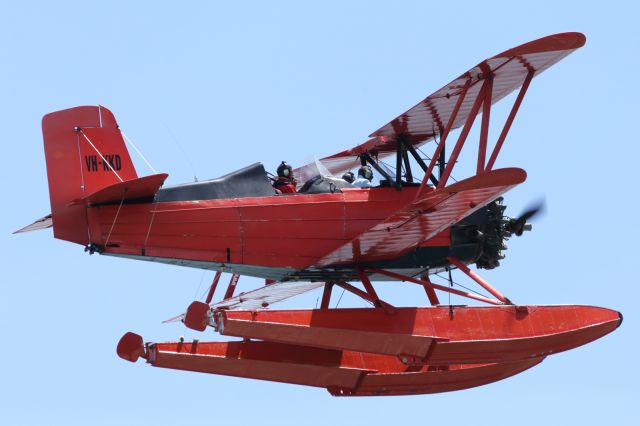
425,217
429,117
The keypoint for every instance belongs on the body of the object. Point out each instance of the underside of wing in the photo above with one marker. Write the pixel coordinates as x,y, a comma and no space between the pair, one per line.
260,298
428,118
266,296
424,218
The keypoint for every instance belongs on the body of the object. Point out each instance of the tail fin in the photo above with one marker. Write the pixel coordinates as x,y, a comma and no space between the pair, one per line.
85,152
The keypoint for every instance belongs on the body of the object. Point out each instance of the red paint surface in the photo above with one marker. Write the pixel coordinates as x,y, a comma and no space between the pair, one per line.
458,334
510,70
382,351
343,373
296,231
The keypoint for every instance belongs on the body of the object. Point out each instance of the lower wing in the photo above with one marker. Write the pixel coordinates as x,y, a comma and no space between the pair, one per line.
424,218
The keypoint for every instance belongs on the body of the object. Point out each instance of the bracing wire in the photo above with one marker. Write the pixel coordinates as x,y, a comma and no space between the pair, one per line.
423,154
114,220
460,285
101,156
130,142
184,153
195,295
387,164
153,215
340,298
450,284
429,158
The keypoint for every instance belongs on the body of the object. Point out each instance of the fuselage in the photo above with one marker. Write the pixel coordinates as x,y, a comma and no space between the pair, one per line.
271,236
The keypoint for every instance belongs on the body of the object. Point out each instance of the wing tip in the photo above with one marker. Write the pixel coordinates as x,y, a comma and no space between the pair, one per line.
509,176
550,43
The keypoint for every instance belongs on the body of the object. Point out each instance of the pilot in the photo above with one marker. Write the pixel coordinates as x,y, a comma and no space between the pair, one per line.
349,177
285,183
365,175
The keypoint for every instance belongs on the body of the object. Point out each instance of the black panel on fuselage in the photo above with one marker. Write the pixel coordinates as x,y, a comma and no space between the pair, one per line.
251,181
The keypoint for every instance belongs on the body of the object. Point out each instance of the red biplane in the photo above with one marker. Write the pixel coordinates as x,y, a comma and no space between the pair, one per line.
330,233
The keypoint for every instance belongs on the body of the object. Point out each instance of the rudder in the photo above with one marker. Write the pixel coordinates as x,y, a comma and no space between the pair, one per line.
84,152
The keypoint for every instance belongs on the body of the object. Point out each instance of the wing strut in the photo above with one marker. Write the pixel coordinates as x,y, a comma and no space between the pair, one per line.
326,295
465,132
507,124
482,100
443,138
410,148
399,157
233,282
366,158
454,106
363,294
373,296
212,289
484,130
431,293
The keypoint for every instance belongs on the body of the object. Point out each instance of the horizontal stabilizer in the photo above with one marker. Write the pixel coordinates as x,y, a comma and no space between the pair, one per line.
42,223
139,188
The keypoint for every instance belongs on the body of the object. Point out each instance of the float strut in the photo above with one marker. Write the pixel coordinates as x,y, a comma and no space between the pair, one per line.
373,296
436,286
233,282
431,293
326,295
477,278
212,289
362,294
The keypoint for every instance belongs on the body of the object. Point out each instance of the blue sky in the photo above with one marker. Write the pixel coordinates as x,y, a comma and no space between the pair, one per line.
204,88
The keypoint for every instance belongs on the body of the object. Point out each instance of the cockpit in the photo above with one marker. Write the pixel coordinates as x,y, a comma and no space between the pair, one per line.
250,181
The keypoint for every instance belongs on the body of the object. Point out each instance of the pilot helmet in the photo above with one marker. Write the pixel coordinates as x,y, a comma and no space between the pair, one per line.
349,177
365,172
285,170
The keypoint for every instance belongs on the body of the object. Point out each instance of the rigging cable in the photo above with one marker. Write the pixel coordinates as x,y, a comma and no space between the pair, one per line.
115,218
429,158
340,298
153,215
195,295
100,154
450,284
184,153
460,285
130,142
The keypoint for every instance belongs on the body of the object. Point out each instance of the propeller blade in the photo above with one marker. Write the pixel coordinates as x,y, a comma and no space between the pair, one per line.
533,210
518,225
